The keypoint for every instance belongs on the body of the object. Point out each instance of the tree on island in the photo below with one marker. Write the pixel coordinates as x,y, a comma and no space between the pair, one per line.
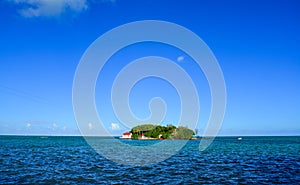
183,133
138,130
166,132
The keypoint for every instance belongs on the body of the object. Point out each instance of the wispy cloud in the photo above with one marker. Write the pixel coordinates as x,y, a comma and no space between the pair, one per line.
114,126
54,126
36,127
180,58
64,128
22,94
90,125
49,8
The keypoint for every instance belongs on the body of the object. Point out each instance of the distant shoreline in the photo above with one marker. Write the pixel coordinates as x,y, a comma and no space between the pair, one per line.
21,135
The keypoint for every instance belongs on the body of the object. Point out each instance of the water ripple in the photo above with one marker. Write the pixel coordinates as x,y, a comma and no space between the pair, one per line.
69,160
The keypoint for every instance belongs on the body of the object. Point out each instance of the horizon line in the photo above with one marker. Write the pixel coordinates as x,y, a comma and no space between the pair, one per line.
37,135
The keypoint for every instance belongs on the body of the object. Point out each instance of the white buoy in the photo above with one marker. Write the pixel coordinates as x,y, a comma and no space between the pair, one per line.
239,138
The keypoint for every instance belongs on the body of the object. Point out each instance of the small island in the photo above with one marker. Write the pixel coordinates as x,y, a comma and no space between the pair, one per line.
158,132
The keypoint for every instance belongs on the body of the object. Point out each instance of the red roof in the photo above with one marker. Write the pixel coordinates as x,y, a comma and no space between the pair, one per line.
126,133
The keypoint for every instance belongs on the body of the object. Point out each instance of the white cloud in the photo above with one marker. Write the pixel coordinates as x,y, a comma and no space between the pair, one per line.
64,128
28,125
114,126
180,58
90,125
49,8
54,126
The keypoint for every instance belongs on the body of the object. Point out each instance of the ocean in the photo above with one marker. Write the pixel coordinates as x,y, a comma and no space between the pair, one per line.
70,160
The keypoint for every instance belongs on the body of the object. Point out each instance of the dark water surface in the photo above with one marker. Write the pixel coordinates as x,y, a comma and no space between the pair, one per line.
65,160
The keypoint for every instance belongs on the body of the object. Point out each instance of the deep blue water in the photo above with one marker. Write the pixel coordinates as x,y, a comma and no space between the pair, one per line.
65,160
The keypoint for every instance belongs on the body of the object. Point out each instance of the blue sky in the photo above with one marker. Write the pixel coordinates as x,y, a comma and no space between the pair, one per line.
255,42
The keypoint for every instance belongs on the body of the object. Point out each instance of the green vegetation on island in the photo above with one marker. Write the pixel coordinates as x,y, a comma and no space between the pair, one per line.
151,131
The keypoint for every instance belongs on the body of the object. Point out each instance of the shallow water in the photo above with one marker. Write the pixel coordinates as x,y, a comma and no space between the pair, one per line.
65,160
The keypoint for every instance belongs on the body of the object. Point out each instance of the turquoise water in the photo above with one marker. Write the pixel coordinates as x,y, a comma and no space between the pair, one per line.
64,160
